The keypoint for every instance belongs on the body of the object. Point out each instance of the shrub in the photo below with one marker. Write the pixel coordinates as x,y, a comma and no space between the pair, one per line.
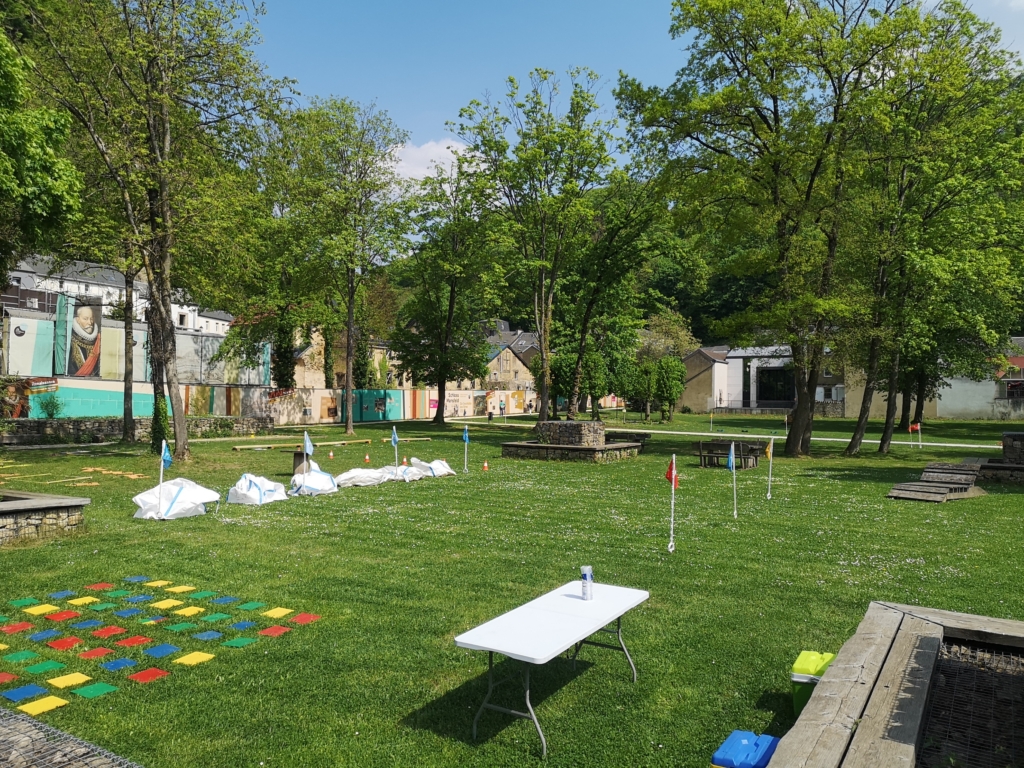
51,406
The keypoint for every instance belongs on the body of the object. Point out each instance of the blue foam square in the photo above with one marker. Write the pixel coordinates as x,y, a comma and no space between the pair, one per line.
224,600
127,613
138,599
25,692
136,579
243,625
153,619
89,624
211,635
118,664
159,651
62,595
39,637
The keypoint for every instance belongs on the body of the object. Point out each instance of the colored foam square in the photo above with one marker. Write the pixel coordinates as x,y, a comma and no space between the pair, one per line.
277,613
138,599
84,600
102,606
20,656
99,586
3,618
95,690
7,677
304,618
136,579
275,631
182,627
190,611
191,659
224,600
109,632
243,625
117,593
251,606
159,651
44,666
62,595
66,681
4,647
63,615
25,692
211,635
158,583
166,604
49,634
239,642
202,595
87,624
39,610
65,644
148,675
127,613
116,665
10,629
216,617
43,705
180,589
95,653
128,642
24,602
152,619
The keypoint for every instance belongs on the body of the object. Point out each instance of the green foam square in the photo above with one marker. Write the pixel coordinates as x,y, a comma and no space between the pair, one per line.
25,602
183,627
202,595
239,642
216,617
117,593
21,656
251,606
3,618
44,666
103,606
95,690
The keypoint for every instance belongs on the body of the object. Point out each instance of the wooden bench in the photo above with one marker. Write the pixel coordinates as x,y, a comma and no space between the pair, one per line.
715,453
626,436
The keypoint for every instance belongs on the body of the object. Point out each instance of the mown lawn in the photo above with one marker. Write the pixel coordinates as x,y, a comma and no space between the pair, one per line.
397,571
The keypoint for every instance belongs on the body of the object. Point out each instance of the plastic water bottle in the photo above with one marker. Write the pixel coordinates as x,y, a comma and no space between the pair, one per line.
587,577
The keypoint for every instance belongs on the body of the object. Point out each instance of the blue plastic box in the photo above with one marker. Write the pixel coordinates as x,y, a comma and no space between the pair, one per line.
744,749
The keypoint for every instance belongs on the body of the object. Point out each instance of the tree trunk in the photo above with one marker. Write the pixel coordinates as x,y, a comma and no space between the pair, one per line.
128,426
439,413
922,395
350,351
158,431
907,398
890,406
804,405
870,383
577,373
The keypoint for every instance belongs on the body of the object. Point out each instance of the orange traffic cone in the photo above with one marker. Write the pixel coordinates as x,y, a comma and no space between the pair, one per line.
366,459
404,462
486,468
330,454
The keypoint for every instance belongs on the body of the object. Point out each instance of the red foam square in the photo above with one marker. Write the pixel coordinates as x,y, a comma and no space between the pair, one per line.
99,586
65,643
95,653
109,631
136,640
148,675
6,677
305,618
275,631
63,615
10,629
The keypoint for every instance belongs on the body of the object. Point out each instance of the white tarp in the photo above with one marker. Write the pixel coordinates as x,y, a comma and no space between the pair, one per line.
313,483
417,470
253,489
175,498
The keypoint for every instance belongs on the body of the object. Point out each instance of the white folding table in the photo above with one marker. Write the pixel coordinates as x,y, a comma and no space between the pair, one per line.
541,629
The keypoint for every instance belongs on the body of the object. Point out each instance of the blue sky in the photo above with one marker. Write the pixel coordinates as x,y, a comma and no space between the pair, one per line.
422,60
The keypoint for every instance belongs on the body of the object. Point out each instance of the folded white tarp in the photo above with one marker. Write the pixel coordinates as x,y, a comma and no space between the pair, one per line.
417,470
313,483
175,498
252,489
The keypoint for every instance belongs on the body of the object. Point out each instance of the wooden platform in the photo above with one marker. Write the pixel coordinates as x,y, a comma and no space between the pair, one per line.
941,482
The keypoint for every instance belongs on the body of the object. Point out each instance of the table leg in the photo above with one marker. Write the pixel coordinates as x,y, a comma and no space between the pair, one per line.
621,647
529,708
490,690
528,715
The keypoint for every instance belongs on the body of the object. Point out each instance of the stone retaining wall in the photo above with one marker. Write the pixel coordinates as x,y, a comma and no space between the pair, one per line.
46,431
39,524
585,433
1013,448
547,452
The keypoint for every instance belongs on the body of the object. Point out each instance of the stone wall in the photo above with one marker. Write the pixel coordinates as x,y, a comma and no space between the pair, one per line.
586,433
39,524
547,452
1013,447
49,431
830,409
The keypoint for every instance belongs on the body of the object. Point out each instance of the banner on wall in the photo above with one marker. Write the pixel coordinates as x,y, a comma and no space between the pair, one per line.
84,342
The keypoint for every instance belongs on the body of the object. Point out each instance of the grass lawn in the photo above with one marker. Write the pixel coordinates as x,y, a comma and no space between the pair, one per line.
397,571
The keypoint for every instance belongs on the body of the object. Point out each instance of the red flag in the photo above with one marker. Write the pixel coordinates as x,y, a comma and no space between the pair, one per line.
914,428
672,476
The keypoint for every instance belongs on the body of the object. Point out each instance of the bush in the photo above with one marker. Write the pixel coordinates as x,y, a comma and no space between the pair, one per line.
51,406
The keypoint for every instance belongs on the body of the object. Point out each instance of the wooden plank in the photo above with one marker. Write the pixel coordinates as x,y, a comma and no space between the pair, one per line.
967,626
947,477
254,447
822,733
888,732
903,493
405,440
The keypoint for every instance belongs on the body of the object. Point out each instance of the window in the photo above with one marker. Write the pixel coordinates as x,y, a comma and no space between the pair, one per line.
15,281
32,303
828,374
182,319
827,393
515,374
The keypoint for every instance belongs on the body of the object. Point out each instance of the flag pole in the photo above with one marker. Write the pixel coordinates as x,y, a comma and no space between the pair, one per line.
672,508
160,493
465,460
771,458
734,513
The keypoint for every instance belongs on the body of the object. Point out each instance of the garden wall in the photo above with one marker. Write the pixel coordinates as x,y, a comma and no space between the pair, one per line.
56,431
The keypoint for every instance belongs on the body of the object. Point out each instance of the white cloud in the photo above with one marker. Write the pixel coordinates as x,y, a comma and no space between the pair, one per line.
416,161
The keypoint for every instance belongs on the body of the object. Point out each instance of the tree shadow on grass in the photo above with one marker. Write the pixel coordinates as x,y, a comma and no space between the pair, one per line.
780,704
451,716
884,475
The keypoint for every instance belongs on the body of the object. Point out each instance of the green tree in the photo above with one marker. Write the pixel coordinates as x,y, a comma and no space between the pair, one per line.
671,380
594,382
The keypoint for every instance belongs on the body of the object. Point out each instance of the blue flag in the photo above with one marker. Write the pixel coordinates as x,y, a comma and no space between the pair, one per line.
307,446
394,437
465,434
732,457
166,457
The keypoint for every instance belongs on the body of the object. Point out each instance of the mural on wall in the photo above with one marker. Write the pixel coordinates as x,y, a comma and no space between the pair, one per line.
29,344
84,344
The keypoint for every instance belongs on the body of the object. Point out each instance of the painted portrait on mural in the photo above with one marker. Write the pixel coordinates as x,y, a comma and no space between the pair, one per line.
84,345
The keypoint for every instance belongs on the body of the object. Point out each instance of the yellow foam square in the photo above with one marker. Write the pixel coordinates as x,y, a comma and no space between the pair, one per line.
179,589
166,604
38,610
84,600
190,611
196,657
43,705
4,647
66,681
278,613
158,583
